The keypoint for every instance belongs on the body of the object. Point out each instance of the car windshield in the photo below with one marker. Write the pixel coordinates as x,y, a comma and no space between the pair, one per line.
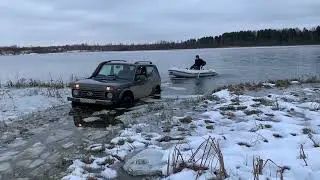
117,71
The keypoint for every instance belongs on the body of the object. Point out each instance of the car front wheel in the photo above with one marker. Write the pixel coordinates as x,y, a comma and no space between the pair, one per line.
127,101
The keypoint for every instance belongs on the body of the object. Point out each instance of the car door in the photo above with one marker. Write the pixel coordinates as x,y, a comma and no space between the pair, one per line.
140,87
152,82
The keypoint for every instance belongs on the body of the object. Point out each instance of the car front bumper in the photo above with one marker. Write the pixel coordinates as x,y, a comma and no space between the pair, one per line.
90,101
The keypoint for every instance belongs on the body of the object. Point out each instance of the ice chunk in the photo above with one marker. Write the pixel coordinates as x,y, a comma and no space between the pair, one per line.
146,162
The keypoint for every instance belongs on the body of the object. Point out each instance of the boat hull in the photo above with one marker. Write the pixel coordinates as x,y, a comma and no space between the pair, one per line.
190,74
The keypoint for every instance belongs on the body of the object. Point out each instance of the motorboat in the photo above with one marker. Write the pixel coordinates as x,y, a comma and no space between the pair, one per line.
191,73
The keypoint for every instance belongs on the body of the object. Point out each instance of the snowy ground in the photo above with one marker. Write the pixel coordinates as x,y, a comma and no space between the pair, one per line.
18,102
282,131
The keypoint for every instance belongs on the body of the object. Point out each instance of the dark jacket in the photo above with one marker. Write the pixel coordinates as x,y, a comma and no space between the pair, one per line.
199,62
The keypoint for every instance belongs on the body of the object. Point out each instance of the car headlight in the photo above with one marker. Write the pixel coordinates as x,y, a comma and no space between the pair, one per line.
75,92
76,86
109,95
112,88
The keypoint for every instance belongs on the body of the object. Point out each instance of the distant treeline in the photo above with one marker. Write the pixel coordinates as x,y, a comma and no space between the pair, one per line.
266,37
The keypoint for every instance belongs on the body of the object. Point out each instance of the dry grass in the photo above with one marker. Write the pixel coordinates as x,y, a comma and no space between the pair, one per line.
310,79
259,164
199,161
242,87
283,83
257,167
315,143
20,82
303,155
27,83
307,131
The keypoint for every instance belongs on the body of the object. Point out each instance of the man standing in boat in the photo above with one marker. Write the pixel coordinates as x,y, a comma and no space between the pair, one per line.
198,63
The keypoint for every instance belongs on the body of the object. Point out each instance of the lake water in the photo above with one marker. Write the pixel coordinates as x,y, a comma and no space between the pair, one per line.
234,65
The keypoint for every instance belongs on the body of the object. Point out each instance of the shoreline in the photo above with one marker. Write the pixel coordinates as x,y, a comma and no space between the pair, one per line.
158,50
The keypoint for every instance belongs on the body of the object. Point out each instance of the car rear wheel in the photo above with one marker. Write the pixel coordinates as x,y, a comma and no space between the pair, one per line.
157,93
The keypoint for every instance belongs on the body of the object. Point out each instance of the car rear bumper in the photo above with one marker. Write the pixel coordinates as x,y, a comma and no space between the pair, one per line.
90,101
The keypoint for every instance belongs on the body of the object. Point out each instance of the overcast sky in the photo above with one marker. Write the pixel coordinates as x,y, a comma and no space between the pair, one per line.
51,22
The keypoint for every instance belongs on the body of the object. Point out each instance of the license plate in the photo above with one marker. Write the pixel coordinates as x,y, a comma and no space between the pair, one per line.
91,101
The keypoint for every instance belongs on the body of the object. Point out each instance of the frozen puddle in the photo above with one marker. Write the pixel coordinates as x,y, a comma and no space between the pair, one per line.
221,138
17,102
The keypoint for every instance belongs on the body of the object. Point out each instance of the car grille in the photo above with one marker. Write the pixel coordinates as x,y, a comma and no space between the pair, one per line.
92,94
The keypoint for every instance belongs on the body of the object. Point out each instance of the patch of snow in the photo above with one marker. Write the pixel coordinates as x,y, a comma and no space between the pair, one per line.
213,115
185,174
295,82
109,173
95,148
310,105
268,84
102,112
68,145
127,141
177,88
223,94
77,171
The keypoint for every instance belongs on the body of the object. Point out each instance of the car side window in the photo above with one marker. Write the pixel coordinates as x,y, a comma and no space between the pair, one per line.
150,71
117,68
141,73
105,70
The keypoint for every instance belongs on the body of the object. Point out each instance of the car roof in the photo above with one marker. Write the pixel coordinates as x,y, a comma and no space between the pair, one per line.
136,63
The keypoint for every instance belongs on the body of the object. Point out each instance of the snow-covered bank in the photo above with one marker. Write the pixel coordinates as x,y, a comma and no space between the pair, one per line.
17,102
281,131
